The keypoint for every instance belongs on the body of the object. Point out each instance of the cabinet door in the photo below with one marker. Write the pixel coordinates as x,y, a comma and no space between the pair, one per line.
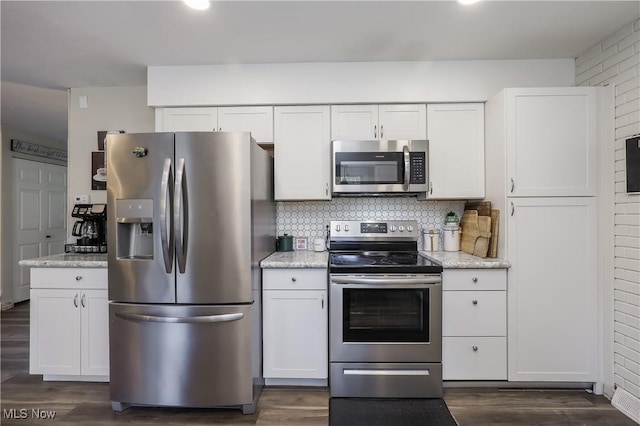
54,346
257,120
456,150
187,120
552,308
402,121
295,334
94,336
302,153
354,122
551,140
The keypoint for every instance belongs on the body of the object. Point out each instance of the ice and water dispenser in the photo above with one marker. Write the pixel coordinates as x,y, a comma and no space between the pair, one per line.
134,233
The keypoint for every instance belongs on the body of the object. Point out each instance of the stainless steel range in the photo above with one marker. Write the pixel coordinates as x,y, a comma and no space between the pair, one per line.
385,322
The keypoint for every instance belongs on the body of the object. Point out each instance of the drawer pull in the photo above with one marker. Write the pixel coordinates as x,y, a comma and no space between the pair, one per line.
474,279
475,302
78,277
294,279
475,348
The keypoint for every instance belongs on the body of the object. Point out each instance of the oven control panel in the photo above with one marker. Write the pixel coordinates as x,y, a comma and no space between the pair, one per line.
373,229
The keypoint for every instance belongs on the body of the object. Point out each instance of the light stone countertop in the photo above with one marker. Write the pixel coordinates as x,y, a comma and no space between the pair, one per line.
67,260
296,259
461,260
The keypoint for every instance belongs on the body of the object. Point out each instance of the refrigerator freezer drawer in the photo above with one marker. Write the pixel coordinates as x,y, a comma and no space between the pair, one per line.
181,355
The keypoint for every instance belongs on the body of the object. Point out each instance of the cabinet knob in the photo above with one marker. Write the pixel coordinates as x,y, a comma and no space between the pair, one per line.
475,302
474,279
78,277
294,279
475,348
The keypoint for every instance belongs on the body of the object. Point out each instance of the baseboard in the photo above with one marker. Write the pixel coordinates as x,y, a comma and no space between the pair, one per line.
627,404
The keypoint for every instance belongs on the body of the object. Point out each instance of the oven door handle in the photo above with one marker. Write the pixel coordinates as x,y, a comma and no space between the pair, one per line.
387,281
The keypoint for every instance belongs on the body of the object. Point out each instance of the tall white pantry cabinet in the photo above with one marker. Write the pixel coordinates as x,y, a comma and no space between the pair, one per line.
541,173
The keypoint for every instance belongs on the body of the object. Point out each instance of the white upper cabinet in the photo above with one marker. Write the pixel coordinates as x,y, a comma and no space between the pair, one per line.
255,119
456,150
187,119
302,153
378,122
551,141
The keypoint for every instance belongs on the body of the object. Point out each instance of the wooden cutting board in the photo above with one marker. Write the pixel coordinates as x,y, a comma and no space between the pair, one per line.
483,207
473,229
493,242
481,247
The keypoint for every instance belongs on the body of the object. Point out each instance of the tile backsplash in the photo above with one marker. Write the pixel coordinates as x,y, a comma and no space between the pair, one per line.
310,218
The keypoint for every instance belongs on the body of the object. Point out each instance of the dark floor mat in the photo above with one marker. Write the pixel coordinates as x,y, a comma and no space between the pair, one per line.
389,412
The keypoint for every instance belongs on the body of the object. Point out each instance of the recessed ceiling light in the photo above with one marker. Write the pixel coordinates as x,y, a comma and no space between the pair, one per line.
197,4
468,1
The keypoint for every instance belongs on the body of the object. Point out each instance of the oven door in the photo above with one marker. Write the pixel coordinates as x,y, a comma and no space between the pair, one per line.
385,318
379,166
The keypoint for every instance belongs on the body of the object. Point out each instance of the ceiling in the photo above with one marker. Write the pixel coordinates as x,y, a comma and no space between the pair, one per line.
50,46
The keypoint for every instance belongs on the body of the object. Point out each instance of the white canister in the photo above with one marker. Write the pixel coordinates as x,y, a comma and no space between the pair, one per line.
451,237
318,244
431,240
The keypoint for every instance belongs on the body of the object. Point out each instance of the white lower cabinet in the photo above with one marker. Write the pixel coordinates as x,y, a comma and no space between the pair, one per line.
295,339
69,327
474,324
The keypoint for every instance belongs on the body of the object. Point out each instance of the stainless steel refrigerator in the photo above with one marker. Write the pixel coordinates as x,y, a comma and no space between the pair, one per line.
190,217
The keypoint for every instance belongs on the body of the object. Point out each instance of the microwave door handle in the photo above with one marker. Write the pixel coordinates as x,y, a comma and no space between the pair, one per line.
407,167
166,221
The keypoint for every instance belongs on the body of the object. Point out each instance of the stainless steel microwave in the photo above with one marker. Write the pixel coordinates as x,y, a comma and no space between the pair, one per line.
388,167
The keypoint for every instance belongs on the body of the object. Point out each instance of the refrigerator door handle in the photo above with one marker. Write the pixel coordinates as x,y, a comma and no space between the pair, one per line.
166,223
180,214
181,320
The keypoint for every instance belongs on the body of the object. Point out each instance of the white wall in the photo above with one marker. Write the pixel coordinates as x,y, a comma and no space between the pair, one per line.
349,82
615,62
7,214
109,108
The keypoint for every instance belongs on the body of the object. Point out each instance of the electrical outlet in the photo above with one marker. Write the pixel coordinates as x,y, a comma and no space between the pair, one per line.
82,199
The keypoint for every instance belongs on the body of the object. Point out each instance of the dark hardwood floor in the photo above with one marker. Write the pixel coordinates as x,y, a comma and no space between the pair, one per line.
77,403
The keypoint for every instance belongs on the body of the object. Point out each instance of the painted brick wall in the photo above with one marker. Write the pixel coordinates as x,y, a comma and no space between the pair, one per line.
616,62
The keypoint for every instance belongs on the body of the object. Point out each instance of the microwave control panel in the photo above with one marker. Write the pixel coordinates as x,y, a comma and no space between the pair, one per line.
417,162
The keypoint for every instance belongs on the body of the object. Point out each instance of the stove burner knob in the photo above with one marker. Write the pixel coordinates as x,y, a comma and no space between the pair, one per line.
338,228
346,228
409,228
393,228
401,228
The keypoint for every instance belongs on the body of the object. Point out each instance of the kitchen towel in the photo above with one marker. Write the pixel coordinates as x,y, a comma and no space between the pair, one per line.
389,412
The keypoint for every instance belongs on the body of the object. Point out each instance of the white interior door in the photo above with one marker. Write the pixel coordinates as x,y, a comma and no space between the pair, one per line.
40,216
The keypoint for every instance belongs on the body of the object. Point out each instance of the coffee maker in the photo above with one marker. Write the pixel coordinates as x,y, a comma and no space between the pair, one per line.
91,229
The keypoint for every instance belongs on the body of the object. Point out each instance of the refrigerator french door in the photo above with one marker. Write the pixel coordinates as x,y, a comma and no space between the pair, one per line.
190,218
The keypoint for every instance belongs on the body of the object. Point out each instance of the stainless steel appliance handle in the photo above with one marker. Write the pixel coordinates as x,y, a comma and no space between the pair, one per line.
387,281
180,211
166,234
407,167
181,320
365,372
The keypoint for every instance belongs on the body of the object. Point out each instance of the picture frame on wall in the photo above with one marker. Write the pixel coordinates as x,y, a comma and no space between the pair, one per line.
98,171
102,136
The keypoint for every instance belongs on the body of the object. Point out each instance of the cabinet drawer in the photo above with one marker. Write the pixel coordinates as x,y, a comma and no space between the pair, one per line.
474,358
292,279
474,279
85,278
474,313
